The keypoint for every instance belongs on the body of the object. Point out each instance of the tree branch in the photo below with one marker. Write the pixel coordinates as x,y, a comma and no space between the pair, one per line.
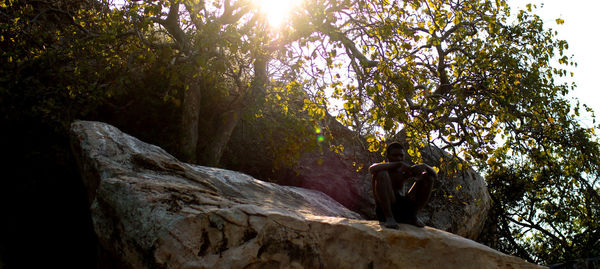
171,23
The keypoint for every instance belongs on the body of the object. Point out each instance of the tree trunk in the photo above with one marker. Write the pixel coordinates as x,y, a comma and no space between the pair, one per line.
190,116
225,125
212,152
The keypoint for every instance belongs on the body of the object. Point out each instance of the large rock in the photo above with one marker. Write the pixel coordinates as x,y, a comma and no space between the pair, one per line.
336,176
342,175
459,203
460,200
151,211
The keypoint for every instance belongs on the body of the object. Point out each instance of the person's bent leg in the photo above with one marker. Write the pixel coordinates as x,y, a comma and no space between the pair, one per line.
384,195
420,192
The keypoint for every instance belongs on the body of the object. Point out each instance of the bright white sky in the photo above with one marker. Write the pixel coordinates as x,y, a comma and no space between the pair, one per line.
580,30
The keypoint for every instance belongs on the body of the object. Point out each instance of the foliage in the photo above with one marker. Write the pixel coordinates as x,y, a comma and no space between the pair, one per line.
59,60
221,50
67,60
268,144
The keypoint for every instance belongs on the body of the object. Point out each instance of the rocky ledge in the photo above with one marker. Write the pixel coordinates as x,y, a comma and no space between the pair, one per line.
150,210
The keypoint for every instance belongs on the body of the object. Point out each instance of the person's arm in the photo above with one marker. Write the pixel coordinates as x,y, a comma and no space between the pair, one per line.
378,167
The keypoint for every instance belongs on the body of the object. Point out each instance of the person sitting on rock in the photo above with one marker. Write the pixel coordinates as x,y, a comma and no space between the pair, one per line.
388,179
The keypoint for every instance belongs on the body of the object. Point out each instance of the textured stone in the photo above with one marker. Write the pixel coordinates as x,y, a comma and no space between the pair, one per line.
151,211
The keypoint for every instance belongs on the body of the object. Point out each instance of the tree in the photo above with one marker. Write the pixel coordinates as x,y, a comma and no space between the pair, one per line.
206,62
221,50
466,76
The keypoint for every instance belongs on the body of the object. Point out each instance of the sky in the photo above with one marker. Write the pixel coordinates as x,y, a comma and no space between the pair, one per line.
580,30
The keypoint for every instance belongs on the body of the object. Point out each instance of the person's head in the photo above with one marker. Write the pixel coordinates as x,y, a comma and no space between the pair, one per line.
394,152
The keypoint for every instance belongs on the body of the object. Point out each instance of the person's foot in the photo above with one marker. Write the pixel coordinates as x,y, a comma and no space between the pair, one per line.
391,223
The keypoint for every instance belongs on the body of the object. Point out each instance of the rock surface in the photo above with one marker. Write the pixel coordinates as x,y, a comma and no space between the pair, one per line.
460,201
151,211
459,204
344,176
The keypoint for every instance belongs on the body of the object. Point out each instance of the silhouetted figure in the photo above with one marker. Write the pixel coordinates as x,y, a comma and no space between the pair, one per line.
389,177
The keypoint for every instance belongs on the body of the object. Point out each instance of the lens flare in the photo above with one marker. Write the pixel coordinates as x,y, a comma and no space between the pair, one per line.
320,138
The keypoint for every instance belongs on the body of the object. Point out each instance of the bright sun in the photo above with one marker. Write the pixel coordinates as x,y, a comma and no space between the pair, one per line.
277,11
